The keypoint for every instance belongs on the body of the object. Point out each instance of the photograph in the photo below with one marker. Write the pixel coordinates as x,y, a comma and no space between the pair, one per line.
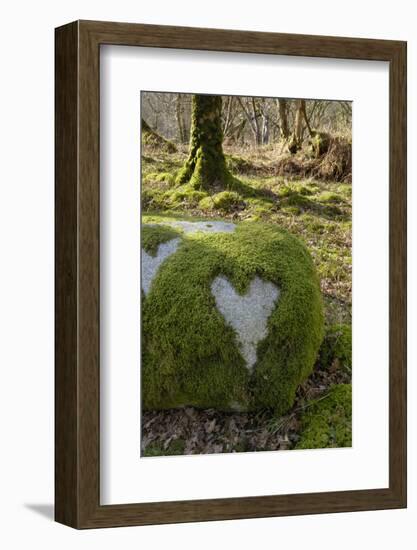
246,273
208,262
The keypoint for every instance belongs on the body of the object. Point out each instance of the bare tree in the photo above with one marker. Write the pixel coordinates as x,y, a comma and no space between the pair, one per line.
283,117
298,130
179,111
250,120
251,110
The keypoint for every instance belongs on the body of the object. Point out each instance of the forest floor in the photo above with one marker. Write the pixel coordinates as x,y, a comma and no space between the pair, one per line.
318,212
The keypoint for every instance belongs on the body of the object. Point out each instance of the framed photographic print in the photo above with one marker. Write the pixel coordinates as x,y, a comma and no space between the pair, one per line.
230,274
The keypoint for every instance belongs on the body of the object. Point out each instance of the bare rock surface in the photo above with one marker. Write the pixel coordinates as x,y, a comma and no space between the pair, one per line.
151,264
248,314
205,227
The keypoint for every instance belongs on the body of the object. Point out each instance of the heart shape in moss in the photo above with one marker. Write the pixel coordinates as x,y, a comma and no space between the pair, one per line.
247,314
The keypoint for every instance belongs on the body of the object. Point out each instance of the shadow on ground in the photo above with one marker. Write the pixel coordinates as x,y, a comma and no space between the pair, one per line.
45,510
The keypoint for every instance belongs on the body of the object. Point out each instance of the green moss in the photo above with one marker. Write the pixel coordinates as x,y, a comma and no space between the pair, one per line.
259,202
297,193
162,163
313,187
155,140
206,204
176,447
310,198
320,143
205,167
327,422
305,189
336,349
296,199
291,210
154,235
164,177
261,211
190,354
239,165
225,200
345,189
325,228
153,199
329,197
284,191
185,196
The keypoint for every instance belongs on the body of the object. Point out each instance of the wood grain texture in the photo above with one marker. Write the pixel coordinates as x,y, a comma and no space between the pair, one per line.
78,285
66,304
398,273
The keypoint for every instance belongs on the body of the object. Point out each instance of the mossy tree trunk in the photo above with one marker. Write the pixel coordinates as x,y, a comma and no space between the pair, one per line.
205,167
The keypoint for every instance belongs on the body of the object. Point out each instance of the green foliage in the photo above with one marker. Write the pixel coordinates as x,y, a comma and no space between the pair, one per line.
336,349
327,422
190,355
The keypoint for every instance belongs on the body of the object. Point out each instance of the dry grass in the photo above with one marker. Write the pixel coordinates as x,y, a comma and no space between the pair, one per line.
335,165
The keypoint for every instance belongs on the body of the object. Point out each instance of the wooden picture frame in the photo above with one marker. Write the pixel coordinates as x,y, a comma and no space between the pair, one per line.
77,375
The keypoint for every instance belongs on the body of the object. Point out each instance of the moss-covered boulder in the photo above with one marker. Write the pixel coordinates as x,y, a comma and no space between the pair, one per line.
232,315
327,421
154,140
